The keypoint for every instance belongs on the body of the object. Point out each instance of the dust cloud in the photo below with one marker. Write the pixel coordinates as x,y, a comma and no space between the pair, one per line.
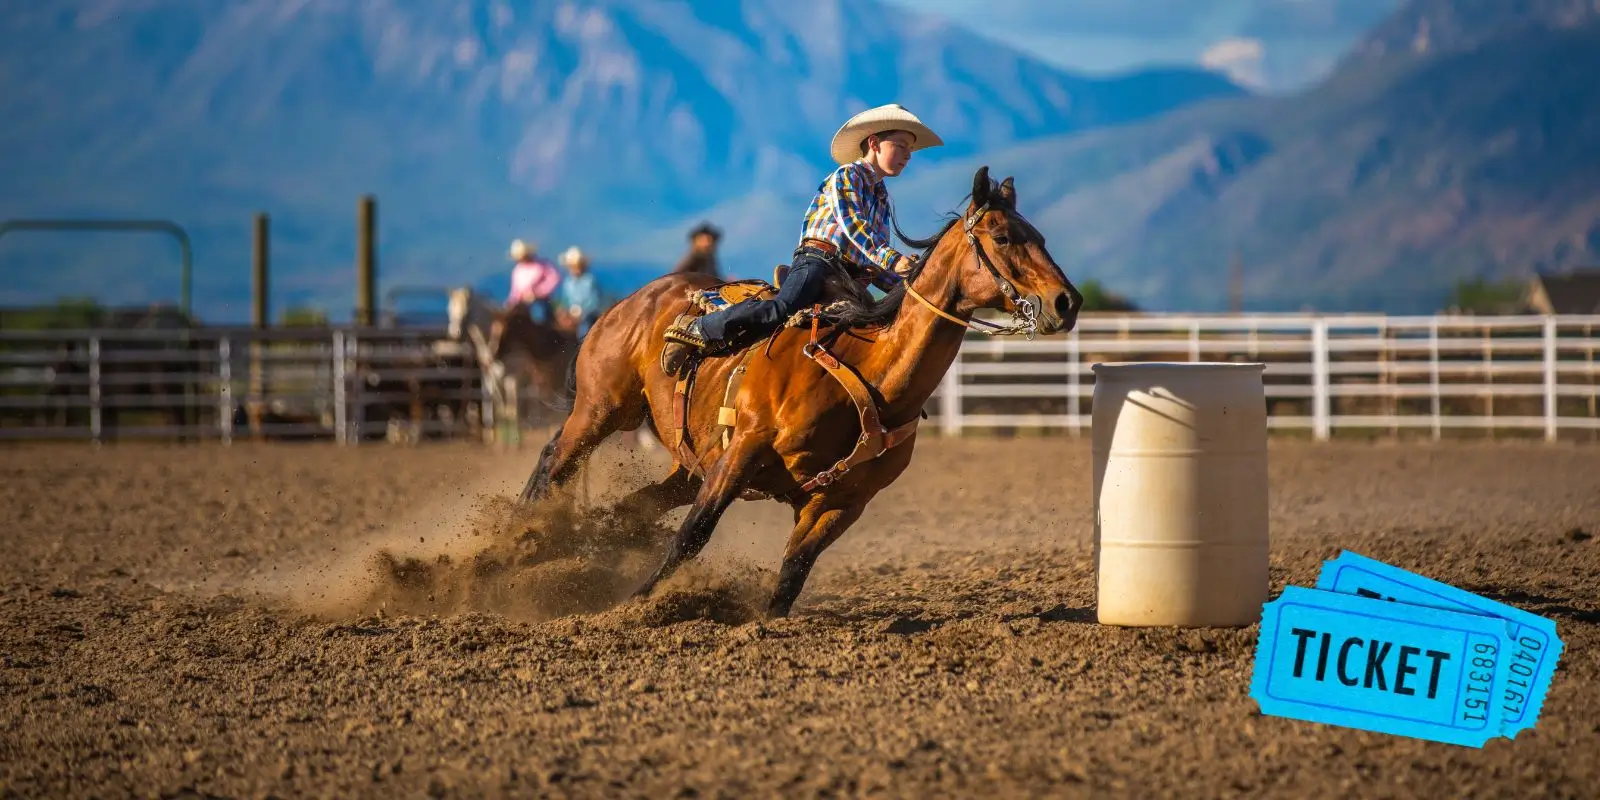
478,550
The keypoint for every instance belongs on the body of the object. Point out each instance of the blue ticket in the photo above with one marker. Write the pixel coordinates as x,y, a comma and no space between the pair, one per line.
1535,646
1344,659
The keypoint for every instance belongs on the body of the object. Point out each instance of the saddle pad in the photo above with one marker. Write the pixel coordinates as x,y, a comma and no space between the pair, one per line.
727,294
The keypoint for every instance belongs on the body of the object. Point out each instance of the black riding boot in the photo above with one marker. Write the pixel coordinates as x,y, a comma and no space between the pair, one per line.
755,319
746,322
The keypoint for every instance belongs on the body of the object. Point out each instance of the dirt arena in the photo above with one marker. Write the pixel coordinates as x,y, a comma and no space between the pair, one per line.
203,620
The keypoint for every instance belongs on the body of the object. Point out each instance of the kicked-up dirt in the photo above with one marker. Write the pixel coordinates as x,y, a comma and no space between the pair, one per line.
310,620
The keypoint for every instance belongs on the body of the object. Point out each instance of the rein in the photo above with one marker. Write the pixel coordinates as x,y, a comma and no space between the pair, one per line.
1024,316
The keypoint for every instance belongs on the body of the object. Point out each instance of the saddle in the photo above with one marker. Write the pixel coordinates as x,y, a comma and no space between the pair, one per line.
837,287
731,293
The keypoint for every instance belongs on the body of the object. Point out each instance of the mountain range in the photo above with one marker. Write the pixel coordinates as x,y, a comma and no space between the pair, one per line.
590,122
1451,142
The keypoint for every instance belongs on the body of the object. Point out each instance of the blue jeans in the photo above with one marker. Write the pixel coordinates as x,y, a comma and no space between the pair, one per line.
755,319
541,311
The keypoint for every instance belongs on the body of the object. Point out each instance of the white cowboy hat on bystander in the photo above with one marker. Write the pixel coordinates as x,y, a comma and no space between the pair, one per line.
521,250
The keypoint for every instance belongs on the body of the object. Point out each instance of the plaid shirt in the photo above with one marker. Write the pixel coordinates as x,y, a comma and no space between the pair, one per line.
851,210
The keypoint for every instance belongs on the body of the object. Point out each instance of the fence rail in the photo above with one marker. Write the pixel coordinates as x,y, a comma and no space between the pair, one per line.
1325,375
344,384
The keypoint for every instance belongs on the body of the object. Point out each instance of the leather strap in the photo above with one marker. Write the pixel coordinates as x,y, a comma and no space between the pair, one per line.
680,422
875,439
726,414
820,244
855,270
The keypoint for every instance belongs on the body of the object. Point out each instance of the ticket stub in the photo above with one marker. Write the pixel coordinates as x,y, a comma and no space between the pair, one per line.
1534,647
1388,667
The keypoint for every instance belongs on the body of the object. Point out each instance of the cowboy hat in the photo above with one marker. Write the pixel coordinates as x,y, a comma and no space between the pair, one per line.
573,255
846,146
706,228
521,250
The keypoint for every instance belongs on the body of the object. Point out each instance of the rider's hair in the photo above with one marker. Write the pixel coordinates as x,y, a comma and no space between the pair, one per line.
880,135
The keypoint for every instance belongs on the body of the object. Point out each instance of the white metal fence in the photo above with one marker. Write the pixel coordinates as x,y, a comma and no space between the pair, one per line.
343,384
1325,376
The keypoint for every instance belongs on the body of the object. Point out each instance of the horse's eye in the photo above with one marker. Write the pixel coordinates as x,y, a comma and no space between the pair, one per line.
1001,240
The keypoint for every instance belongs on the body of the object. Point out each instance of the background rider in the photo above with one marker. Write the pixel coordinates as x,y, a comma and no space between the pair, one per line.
580,298
533,281
702,255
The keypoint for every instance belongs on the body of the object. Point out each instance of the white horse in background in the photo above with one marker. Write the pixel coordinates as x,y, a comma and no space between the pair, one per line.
472,320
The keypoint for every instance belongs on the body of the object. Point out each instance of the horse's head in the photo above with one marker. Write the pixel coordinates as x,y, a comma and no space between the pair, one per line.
1013,270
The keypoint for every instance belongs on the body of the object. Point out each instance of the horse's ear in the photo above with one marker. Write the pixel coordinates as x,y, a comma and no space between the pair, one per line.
981,186
1008,192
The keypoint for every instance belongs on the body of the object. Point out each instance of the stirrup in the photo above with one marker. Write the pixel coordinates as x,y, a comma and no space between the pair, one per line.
678,332
681,347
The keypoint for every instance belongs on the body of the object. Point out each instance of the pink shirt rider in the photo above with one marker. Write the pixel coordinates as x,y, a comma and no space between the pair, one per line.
533,280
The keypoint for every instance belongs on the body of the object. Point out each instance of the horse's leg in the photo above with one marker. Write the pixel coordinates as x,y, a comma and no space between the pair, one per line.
648,503
820,523
720,489
566,451
580,433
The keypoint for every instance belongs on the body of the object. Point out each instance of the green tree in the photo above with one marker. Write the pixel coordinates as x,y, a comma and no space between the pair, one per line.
304,317
1096,297
1482,296
65,313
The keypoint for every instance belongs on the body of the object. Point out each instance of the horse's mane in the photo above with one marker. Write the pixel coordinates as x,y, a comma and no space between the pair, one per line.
852,314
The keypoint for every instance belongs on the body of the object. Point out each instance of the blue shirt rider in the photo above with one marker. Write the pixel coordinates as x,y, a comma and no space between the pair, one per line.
579,299
847,224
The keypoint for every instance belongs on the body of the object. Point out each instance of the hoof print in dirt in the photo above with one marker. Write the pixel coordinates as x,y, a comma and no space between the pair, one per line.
906,626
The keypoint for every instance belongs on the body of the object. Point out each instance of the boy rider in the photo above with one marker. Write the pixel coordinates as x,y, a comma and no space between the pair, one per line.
846,226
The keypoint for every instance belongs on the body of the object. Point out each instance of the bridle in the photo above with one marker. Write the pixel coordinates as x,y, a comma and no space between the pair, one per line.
1024,316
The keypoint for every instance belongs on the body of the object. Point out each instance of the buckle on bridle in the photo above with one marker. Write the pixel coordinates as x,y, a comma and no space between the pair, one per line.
833,473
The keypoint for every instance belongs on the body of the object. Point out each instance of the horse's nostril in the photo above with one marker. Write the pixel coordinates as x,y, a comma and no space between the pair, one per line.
1063,306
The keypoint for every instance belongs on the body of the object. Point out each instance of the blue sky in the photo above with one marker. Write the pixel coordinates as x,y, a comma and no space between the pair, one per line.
1273,45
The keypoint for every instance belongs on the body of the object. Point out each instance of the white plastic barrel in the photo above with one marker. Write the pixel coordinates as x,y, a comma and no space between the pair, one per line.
1180,493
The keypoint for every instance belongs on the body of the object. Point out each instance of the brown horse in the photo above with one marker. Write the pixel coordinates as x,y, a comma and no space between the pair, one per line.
513,344
547,349
807,429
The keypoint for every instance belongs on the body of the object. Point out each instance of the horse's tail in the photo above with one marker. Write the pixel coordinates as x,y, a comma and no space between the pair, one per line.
564,400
